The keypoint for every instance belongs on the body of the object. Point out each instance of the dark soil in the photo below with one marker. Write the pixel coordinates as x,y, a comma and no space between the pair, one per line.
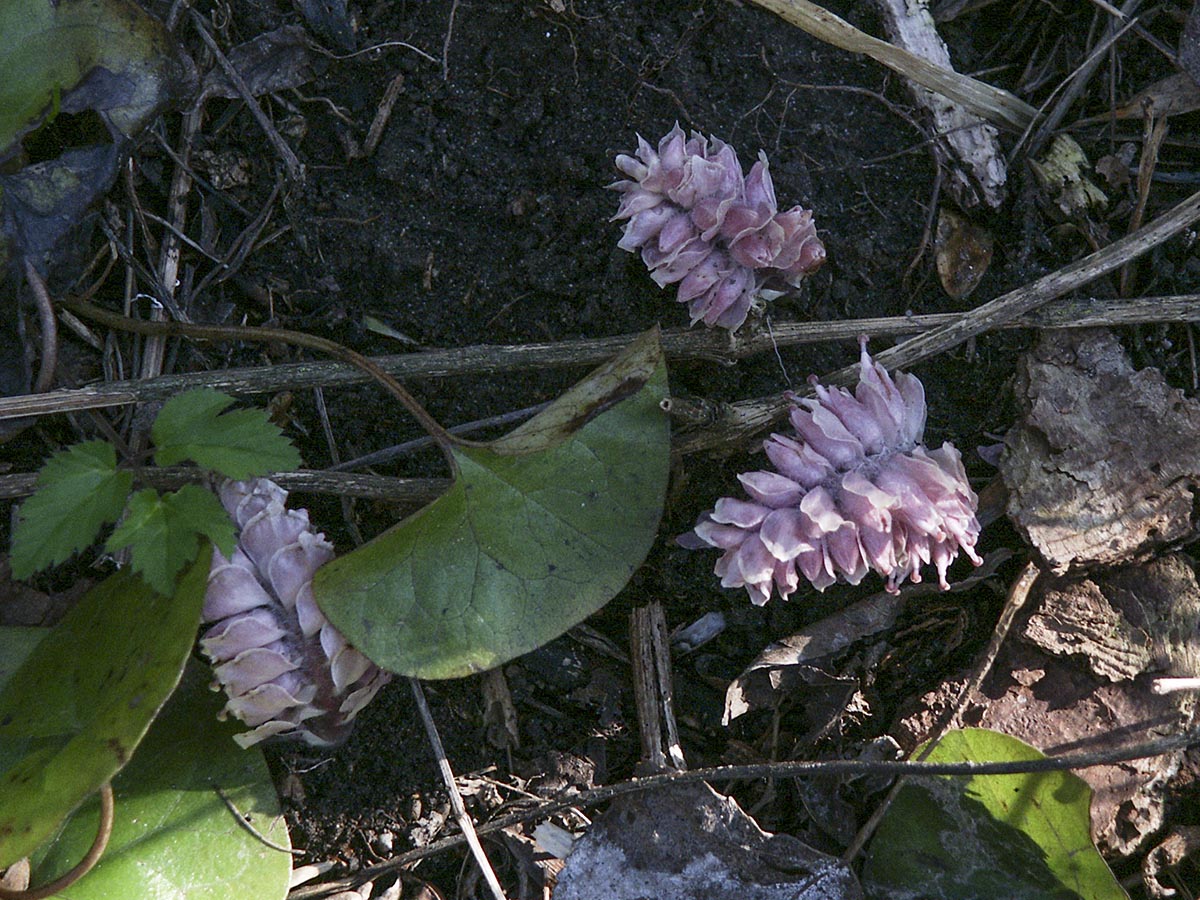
483,217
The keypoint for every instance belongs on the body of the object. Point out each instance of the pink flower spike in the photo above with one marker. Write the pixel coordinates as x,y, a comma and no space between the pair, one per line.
687,202
287,671
856,492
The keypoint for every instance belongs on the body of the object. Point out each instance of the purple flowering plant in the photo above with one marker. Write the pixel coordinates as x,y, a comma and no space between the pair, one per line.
854,490
718,234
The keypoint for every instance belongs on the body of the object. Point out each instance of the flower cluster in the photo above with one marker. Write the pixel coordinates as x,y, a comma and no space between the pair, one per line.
286,670
721,236
855,491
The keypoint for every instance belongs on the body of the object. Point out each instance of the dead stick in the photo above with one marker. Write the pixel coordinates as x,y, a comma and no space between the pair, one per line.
740,421
414,492
678,344
456,801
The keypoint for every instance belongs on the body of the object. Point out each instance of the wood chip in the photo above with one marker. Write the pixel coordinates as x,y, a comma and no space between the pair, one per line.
1102,467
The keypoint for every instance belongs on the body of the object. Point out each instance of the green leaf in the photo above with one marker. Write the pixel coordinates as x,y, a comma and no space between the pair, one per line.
16,644
173,836
107,62
164,532
1025,837
120,59
79,490
537,532
240,444
72,715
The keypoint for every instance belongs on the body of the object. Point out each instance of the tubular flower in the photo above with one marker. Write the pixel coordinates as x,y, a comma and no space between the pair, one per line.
855,491
287,671
699,223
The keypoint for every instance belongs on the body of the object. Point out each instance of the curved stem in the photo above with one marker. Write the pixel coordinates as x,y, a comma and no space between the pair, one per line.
432,427
49,328
82,867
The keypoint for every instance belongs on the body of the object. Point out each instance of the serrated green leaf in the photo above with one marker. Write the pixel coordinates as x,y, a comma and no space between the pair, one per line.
72,714
538,531
79,491
240,444
1024,837
173,836
163,532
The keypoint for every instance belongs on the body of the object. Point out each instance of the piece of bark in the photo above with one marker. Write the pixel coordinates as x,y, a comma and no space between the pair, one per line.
1182,842
1079,620
1102,467
966,146
1077,690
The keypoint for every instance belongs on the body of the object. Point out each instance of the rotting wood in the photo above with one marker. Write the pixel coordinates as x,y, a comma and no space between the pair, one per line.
678,344
966,146
1102,463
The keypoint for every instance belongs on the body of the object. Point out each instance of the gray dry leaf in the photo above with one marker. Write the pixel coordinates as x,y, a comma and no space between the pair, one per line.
688,842
271,62
1102,466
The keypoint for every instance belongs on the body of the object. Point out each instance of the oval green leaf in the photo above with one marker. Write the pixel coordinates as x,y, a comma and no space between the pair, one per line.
72,714
173,837
538,531
1026,837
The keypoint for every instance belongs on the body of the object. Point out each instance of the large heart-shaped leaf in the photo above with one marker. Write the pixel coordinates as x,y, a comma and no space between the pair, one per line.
173,836
538,531
1024,837
71,716
16,645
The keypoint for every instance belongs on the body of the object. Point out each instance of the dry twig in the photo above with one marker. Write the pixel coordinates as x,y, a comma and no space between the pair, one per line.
456,800
1085,312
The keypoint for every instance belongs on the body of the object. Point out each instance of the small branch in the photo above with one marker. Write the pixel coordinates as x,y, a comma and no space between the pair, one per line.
678,344
991,103
409,491
742,420
85,865
456,801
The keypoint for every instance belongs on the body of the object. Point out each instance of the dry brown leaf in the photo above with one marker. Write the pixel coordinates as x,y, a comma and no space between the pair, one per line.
963,250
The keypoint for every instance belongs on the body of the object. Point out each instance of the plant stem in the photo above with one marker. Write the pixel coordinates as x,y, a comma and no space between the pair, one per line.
81,868
441,437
